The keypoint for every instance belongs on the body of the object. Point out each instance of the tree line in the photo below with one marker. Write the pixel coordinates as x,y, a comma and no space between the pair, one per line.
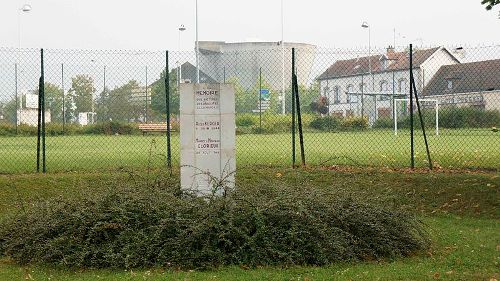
131,102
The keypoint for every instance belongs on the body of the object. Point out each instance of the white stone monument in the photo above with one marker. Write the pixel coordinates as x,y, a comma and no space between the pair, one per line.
208,137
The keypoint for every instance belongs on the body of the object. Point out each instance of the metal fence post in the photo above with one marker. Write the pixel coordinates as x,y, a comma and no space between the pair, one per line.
412,84
41,115
260,99
293,110
63,98
42,82
412,144
17,99
167,104
295,91
146,113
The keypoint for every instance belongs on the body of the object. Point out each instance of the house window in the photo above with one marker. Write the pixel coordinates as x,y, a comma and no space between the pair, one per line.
402,86
336,94
450,84
326,91
383,86
350,89
362,87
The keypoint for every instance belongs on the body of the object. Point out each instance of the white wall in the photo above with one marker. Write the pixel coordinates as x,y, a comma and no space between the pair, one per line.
433,64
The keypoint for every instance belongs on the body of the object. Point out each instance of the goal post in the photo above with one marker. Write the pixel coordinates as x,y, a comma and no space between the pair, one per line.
436,109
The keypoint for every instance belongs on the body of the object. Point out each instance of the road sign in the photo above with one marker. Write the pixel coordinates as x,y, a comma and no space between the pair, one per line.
264,94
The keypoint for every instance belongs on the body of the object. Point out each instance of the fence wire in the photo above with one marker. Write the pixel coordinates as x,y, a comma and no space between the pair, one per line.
354,102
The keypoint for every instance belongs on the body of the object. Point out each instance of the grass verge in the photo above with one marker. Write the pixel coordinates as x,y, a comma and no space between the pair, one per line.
460,208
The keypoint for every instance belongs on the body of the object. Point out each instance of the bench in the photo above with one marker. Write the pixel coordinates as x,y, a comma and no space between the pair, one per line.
159,128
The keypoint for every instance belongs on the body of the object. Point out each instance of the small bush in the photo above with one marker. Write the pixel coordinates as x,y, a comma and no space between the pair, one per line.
245,120
7,129
354,123
144,226
383,123
112,128
327,123
454,118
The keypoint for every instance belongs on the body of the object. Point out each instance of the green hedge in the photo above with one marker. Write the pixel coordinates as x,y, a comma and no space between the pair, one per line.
449,117
271,123
161,226
56,129
333,123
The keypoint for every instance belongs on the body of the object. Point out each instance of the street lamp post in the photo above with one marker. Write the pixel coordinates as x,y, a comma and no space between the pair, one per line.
181,29
367,26
26,8
197,48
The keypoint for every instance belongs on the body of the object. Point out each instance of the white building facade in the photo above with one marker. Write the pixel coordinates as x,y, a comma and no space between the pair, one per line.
367,86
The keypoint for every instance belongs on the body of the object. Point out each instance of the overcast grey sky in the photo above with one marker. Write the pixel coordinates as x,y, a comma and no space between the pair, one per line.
153,24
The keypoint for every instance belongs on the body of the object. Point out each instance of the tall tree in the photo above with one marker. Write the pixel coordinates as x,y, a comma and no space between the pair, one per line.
10,111
124,103
81,93
54,101
158,100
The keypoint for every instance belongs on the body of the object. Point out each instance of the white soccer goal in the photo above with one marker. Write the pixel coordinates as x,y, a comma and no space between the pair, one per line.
436,108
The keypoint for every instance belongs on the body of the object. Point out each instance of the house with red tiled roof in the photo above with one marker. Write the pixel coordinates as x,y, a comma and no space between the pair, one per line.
475,84
367,86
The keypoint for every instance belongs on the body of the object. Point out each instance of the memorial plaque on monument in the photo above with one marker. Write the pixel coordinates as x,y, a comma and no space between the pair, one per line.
208,140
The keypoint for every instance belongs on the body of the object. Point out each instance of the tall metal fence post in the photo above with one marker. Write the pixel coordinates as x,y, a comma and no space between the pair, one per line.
146,113
413,84
40,113
167,104
293,111
260,98
17,99
412,143
295,91
42,82
63,98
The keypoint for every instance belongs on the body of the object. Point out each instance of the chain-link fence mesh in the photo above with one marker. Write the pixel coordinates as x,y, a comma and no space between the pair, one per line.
102,107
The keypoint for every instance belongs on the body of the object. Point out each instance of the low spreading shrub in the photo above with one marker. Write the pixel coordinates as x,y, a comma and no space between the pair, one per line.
326,123
57,129
149,226
333,123
246,120
455,118
112,128
354,123
383,123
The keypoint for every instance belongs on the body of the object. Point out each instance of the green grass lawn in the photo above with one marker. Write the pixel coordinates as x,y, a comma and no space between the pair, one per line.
452,148
461,210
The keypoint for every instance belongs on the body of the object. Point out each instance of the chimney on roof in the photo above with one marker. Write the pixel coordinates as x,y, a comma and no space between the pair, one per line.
390,51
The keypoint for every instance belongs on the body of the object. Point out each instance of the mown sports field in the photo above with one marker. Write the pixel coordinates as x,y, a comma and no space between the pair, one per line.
451,149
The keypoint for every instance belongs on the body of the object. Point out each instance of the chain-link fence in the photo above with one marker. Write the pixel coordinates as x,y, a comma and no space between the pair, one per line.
107,109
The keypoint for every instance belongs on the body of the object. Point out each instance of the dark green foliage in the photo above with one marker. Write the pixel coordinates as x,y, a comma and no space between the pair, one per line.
383,123
327,123
454,118
112,128
354,123
244,121
146,226
333,123
56,129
